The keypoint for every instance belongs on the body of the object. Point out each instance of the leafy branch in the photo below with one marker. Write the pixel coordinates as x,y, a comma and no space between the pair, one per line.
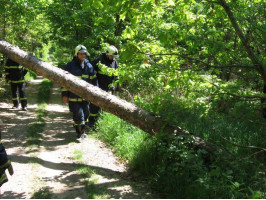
198,60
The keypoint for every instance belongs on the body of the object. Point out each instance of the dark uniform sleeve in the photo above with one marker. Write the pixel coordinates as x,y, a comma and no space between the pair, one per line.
92,75
5,163
94,80
64,91
115,77
116,67
25,71
7,70
7,73
116,64
95,64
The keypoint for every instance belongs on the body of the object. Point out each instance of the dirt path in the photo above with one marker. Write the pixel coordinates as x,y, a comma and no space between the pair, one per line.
61,168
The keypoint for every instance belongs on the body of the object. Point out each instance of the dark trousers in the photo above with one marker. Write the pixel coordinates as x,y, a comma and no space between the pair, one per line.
80,111
19,88
104,81
94,113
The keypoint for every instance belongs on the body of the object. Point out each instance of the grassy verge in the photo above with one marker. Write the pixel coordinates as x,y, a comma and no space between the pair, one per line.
177,171
35,129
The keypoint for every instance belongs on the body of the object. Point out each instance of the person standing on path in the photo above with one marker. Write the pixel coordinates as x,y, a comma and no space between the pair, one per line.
104,66
15,74
79,67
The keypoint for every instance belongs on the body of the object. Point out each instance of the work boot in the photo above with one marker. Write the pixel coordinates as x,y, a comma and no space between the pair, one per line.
78,130
82,132
24,108
15,106
84,129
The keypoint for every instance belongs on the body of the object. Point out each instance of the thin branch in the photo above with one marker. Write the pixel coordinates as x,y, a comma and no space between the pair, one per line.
198,60
251,97
252,155
215,2
221,146
242,146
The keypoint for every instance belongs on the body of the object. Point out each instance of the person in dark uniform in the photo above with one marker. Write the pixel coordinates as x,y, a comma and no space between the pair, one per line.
5,163
15,75
102,65
81,68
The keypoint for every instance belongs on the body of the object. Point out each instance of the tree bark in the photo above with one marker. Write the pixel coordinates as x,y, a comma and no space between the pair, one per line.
129,112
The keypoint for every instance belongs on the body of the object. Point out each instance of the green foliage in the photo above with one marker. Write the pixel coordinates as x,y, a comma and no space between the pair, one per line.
30,76
44,91
107,70
178,171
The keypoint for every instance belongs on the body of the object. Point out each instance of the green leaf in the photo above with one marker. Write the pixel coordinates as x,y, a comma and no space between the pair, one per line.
97,4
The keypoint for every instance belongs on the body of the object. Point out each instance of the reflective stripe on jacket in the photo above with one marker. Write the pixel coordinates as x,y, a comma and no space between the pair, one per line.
15,72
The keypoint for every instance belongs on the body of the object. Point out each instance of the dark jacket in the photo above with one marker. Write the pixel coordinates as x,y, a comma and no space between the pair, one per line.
103,79
5,163
87,74
14,71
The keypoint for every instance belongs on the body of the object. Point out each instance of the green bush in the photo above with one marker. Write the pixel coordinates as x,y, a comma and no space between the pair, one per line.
178,171
30,75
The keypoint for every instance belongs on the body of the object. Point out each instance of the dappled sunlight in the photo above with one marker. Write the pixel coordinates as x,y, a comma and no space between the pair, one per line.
36,81
49,168
56,108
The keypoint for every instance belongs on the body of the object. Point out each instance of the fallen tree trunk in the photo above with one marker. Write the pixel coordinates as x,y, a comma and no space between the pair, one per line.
129,112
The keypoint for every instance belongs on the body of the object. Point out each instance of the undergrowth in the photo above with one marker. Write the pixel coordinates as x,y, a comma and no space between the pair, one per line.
177,171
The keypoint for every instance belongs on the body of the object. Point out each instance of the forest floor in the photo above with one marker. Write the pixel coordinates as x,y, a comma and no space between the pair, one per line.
61,168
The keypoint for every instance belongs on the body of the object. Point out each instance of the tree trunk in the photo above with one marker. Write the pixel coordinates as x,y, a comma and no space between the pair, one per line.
257,63
129,112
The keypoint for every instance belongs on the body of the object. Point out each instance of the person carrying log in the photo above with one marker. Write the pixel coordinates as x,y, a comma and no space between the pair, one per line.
15,74
105,66
79,67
